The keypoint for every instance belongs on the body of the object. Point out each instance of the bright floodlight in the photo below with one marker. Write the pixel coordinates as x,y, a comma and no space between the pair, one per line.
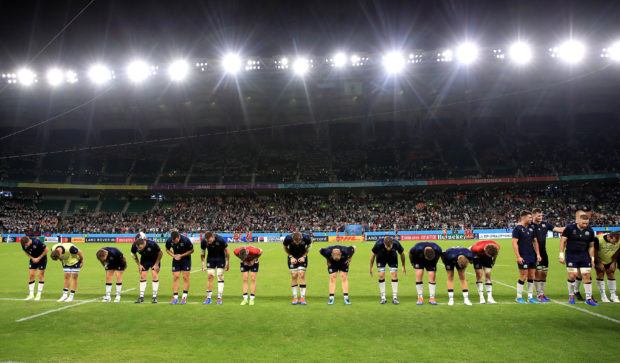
520,53
393,62
55,77
178,70
71,77
571,51
614,51
301,66
340,60
99,74
26,77
231,63
138,71
467,53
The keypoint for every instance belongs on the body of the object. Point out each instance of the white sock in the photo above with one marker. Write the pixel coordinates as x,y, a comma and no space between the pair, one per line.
479,285
155,287
578,282
31,287
610,282
382,288
65,292
431,289
245,296
119,288
220,289
419,286
537,287
588,287
294,291
530,289
465,294
209,294
108,290
142,287
302,291
394,289
489,287
184,296
543,285
601,287
571,287
450,294
520,289
252,297
41,284
72,293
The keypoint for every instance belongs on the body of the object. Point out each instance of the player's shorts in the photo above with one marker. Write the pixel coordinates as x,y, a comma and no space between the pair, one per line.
184,264
41,265
147,265
482,262
544,259
606,266
578,261
117,266
529,262
216,262
424,264
253,268
452,266
338,267
391,261
73,269
295,266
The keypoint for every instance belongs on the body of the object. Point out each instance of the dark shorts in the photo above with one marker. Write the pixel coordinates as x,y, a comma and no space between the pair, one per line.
578,261
117,266
544,259
216,262
293,266
529,262
391,261
452,266
605,266
147,265
253,268
482,262
184,264
338,267
41,265
424,264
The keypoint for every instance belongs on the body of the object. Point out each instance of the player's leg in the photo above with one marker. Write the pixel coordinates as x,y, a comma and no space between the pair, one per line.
155,281
210,277
521,283
488,284
41,282
464,288
253,286
578,282
479,283
302,285
119,284
531,273
294,283
541,276
587,284
185,286
381,273
74,283
394,274
611,282
600,282
108,284
220,282
65,284
419,284
245,276
31,275
176,276
344,278
143,275
572,276
450,284
332,285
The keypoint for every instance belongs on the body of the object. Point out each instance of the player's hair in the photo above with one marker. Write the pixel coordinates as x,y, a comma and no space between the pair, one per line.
462,261
584,216
525,212
55,254
24,240
140,241
101,254
491,250
615,234
388,241
208,235
429,253
536,210
296,237
243,253
175,234
336,253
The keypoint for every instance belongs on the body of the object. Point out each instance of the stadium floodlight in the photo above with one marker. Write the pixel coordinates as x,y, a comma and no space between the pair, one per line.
71,77
467,53
138,71
571,51
231,63
339,60
613,52
393,62
99,74
301,66
55,77
26,77
178,70
520,53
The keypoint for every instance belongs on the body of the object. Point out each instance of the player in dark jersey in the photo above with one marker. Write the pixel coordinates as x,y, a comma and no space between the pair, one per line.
297,246
424,255
150,257
182,262
540,229
37,254
114,262
457,257
218,257
386,251
578,239
525,246
338,259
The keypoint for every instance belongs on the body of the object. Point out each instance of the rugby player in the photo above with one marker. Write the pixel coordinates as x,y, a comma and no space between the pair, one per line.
457,257
182,262
297,246
424,255
338,259
525,246
386,250
249,256
150,259
72,260
605,257
540,229
216,249
37,255
114,262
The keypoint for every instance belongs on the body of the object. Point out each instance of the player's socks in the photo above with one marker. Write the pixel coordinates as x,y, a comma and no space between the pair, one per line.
119,288
346,299
142,287
520,289
108,289
31,288
245,296
209,294
530,289
155,288
65,294
382,289
480,287
331,299
394,289
42,284
419,286
578,282
294,287
466,294
184,296
571,287
450,294
220,289
543,285
71,295
252,297
588,287
431,289
601,288
537,287
302,291
489,288
610,282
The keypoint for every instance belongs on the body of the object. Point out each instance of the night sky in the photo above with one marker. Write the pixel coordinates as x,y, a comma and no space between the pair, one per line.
162,30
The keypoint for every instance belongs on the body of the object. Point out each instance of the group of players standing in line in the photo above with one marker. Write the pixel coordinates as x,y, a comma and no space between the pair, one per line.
580,250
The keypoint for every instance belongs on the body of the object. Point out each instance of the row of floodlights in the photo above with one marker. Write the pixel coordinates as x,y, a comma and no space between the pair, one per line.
138,71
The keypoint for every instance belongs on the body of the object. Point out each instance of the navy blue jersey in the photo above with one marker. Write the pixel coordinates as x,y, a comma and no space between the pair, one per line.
114,255
35,249
150,251
418,250
540,231
381,252
578,240
297,250
452,254
215,249
346,252
525,237
184,245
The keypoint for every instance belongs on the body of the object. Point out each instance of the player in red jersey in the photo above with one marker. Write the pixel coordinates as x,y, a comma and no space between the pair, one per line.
249,266
485,253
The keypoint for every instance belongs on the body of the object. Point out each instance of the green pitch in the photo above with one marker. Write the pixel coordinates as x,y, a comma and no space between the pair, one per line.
274,330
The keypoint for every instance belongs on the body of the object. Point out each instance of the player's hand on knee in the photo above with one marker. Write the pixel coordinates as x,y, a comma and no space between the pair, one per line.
404,271
203,267
226,267
371,272
561,260
520,260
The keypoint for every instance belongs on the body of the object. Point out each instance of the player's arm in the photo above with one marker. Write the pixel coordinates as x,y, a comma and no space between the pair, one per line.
402,259
135,258
538,258
307,250
558,229
81,255
288,253
372,262
187,253
168,251
158,260
227,259
597,261
203,252
352,253
410,257
43,254
591,251
515,247
562,247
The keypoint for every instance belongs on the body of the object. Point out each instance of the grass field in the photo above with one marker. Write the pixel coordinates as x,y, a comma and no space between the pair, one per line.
274,330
